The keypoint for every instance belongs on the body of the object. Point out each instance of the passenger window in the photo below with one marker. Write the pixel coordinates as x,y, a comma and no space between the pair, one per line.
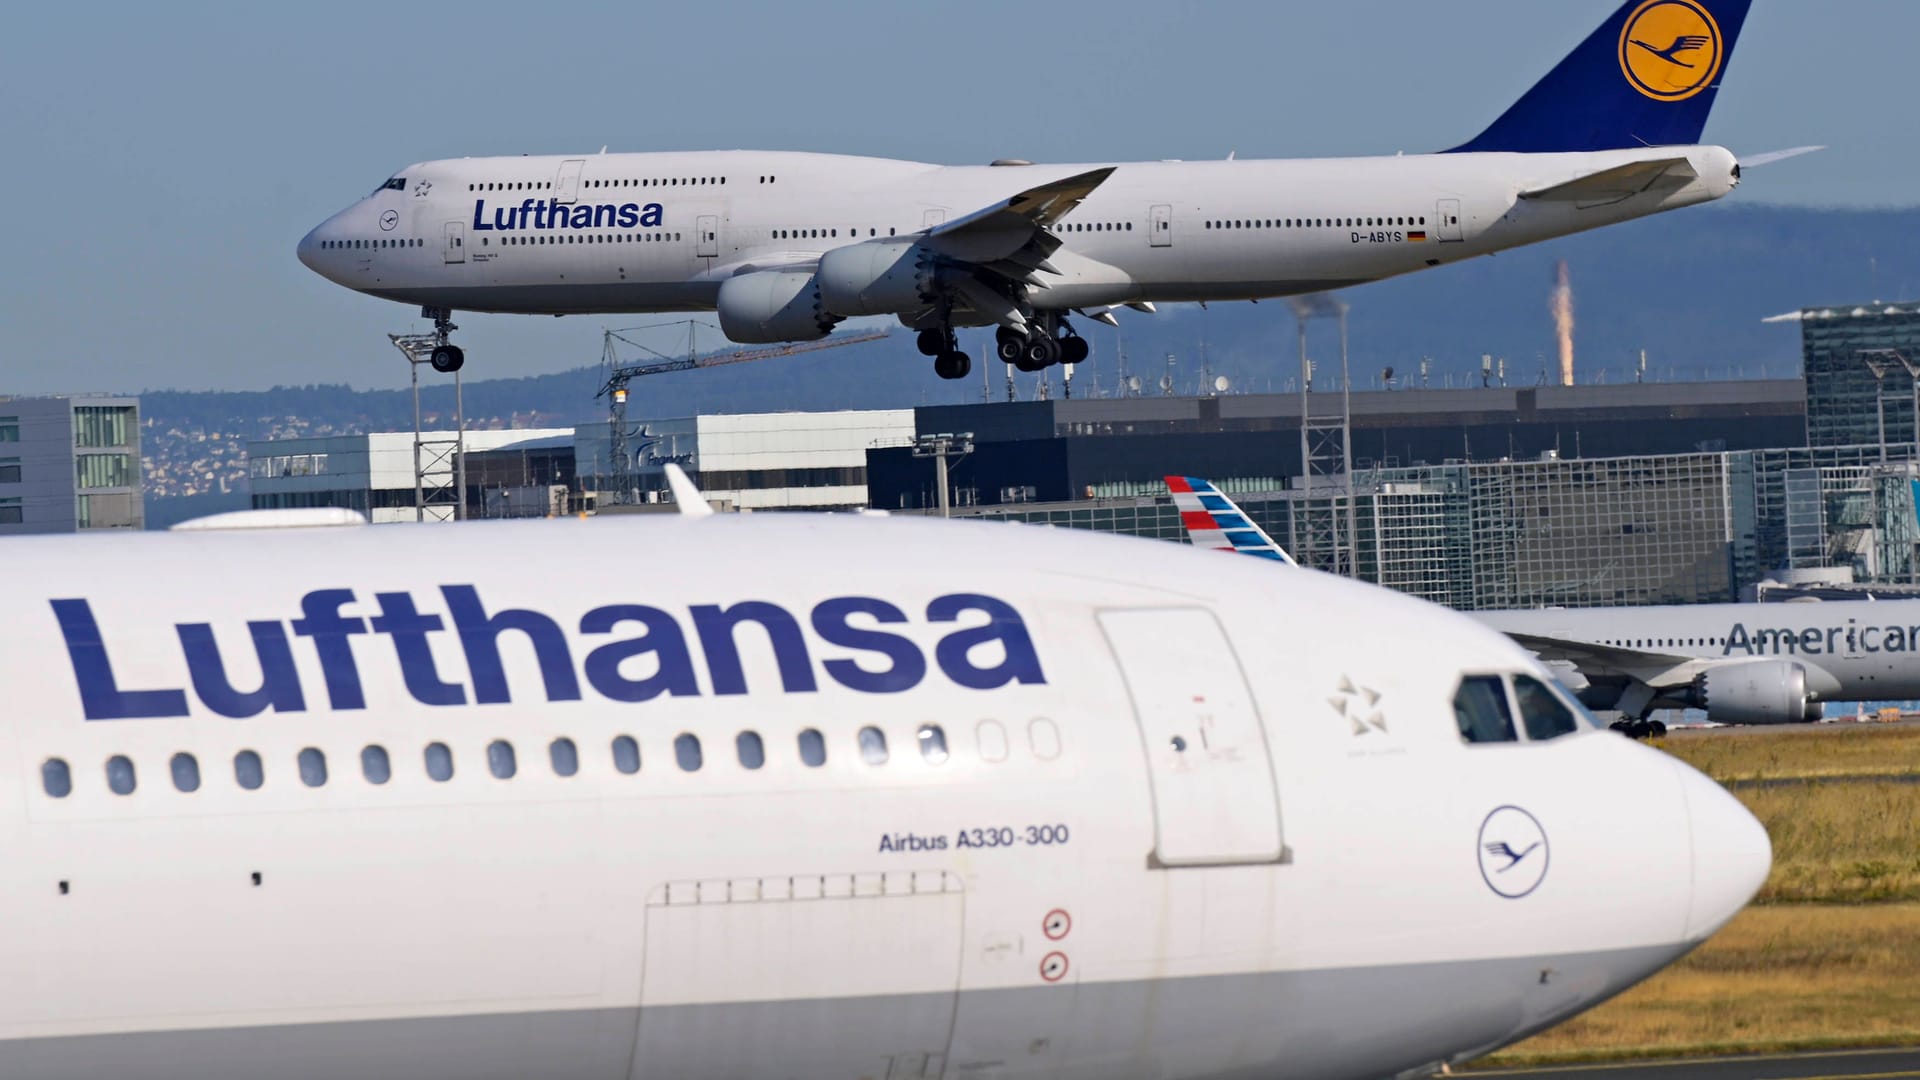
626,755
247,770
933,744
1480,709
56,778
186,773
565,757
753,753
813,749
313,767
992,736
873,746
120,778
1541,710
375,765
501,760
686,751
1044,737
439,762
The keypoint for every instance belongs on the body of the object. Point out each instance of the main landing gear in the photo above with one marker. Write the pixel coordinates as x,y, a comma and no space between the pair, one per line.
949,362
446,357
1048,341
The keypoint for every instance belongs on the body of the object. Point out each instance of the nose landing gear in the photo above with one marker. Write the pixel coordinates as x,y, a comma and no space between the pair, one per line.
446,357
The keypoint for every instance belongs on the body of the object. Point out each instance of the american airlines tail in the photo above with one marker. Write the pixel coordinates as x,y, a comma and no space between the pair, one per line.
1672,54
1215,522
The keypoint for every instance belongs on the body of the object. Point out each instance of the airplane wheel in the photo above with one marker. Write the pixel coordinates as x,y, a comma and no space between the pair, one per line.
1009,346
1656,730
952,365
1074,349
931,343
447,358
1042,352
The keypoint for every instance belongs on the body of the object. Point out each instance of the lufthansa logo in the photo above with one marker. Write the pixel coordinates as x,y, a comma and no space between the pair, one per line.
1513,852
388,220
1671,50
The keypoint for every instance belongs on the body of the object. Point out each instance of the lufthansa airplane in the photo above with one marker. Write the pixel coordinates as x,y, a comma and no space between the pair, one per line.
783,246
1740,663
311,802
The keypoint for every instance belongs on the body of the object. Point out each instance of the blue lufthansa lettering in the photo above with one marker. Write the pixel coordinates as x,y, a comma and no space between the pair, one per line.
480,638
331,636
716,624
907,666
552,214
408,628
100,696
673,672
279,681
1019,662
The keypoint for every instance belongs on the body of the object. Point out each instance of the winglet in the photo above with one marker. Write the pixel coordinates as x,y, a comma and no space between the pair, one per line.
1214,522
686,495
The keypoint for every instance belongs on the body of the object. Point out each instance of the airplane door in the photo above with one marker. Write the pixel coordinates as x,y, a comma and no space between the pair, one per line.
804,977
1447,224
1160,227
455,248
1214,799
707,230
566,186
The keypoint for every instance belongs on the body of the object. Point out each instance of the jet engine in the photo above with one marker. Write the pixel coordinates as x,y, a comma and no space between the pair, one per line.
1756,692
773,305
879,277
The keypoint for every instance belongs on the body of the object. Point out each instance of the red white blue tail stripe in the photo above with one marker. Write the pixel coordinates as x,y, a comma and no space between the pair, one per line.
1213,521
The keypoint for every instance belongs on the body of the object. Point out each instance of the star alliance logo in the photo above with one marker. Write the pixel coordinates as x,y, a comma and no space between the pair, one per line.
1360,707
420,189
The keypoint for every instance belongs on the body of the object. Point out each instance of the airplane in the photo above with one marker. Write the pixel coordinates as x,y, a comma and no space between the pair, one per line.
785,246
1740,663
1073,805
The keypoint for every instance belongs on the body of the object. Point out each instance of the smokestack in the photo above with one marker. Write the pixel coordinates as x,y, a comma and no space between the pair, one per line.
1562,306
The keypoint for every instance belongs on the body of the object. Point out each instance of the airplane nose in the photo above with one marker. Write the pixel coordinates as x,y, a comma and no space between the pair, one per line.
1732,854
308,245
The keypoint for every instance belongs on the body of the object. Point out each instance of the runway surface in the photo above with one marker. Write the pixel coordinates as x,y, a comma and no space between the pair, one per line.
1829,1065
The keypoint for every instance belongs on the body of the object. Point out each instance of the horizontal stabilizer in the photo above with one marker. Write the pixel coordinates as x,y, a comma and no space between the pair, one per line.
1616,184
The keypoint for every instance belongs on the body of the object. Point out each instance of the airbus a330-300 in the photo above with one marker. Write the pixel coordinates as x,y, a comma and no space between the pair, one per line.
784,246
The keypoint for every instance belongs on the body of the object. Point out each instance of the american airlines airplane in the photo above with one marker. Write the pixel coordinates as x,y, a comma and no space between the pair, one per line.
783,246
324,800
1740,663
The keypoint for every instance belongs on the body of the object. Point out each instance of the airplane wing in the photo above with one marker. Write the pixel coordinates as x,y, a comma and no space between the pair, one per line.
1012,238
1594,659
1617,184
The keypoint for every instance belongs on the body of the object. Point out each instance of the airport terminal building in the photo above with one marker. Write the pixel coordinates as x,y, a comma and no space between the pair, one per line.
69,464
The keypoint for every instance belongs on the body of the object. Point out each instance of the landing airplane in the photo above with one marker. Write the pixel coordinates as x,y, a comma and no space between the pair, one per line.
1072,806
1740,663
784,246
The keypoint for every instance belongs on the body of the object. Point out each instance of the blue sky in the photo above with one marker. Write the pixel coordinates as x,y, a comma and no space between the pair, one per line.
165,158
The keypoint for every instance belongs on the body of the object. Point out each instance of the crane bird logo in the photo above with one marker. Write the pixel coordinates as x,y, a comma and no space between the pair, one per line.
1513,852
1671,50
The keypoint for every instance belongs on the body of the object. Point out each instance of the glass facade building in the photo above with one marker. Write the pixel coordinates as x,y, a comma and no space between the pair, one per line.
1841,348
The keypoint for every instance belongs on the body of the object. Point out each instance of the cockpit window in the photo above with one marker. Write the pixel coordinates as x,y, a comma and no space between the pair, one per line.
1544,713
398,183
1480,708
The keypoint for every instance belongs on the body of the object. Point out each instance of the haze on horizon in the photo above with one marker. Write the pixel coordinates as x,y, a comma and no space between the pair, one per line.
167,158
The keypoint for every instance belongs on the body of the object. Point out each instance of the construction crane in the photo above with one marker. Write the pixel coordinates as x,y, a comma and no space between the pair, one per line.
619,375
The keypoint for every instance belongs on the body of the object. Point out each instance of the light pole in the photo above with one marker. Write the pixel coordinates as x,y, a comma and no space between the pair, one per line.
939,447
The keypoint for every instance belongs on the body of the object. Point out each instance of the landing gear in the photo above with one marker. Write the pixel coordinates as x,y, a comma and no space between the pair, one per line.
1640,729
949,362
952,365
1048,341
446,357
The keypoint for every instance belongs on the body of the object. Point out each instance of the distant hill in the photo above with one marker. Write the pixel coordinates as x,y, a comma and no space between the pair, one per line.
1690,287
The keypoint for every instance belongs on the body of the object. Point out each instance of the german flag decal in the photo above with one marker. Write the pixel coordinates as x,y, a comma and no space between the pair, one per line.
1417,236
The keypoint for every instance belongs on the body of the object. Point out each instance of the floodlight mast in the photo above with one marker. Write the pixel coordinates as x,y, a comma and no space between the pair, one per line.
619,375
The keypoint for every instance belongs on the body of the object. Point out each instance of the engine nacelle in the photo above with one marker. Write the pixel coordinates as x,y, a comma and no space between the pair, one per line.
879,277
1755,692
772,305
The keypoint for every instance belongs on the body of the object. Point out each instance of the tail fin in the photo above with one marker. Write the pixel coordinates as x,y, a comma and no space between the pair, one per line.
1213,521
1647,77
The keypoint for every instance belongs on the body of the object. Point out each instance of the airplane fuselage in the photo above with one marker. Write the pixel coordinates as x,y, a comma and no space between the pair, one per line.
657,232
